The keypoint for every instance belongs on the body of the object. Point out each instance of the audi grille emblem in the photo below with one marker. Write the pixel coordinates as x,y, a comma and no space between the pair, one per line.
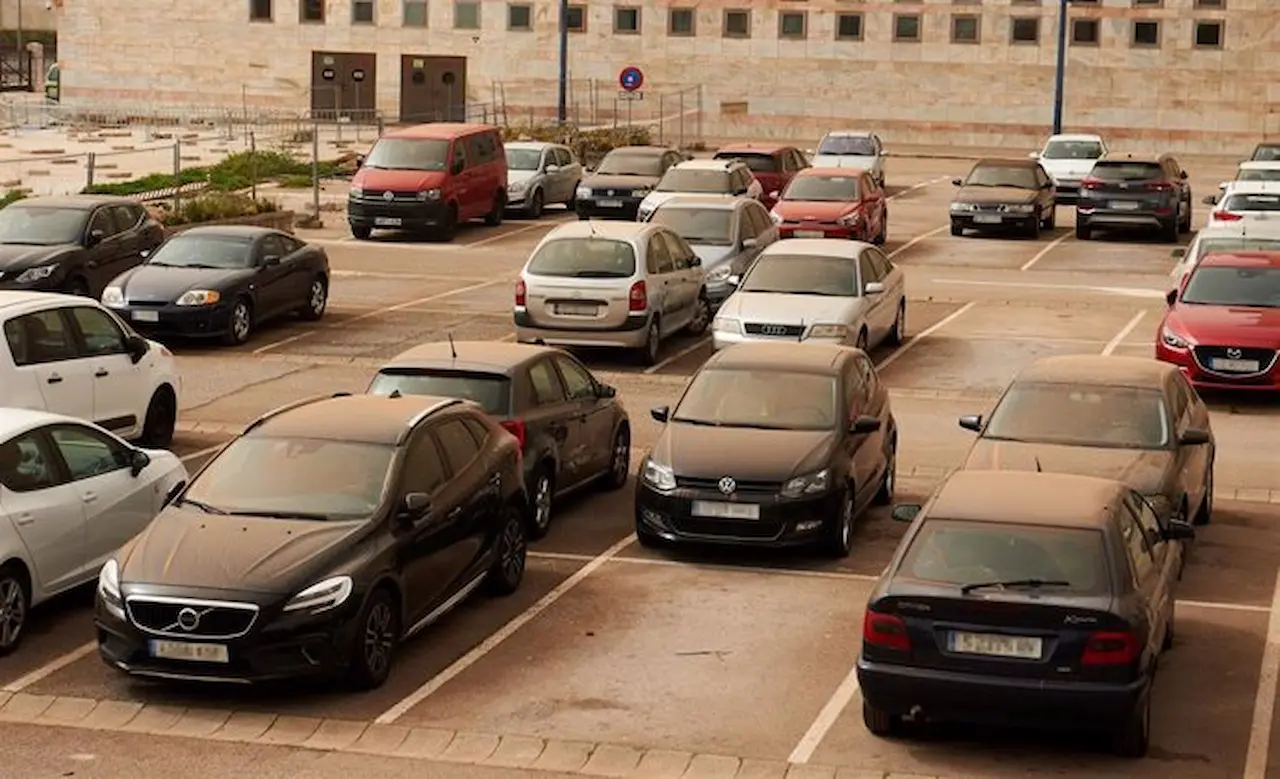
610,193
188,619
388,196
1234,353
728,485
773,330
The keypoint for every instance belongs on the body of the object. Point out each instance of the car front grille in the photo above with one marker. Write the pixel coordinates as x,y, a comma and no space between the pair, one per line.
740,487
180,618
374,196
774,330
1205,356
728,528
608,192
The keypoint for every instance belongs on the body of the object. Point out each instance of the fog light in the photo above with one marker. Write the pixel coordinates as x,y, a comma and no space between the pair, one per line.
651,516
804,527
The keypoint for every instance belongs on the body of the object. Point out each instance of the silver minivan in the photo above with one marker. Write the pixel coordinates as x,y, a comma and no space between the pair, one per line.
626,285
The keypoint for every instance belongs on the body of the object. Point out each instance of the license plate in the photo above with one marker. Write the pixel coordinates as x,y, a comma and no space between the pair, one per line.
810,234
146,316
609,203
196,653
1237,366
996,645
706,508
1124,205
576,309
387,221
987,219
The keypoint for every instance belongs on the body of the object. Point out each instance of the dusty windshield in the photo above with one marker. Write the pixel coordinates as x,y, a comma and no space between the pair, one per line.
491,392
204,251
41,225
1001,176
620,163
703,226
1081,415
1259,175
523,159
1072,150
823,189
803,275
762,399
408,154
847,145
713,182
1224,286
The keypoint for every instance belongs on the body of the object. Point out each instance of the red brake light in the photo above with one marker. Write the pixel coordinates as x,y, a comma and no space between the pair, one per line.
516,428
1226,216
1091,183
638,298
1110,648
885,631
522,293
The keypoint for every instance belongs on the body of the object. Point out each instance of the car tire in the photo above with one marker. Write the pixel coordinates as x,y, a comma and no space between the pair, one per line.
361,232
878,722
1204,515
619,459
1167,644
15,603
701,316
317,300
507,572
898,334
652,349
1169,231
883,235
1185,226
239,323
541,501
497,211
837,541
533,209
862,343
1083,232
888,485
1033,229
449,228
377,635
161,420
1133,736
572,202
956,228
1051,223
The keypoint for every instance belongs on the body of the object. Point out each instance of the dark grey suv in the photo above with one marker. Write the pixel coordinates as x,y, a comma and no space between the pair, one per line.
1124,191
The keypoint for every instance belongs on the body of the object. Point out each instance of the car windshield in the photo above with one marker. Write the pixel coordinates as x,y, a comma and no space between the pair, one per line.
621,163
1206,246
584,258
823,189
1229,286
962,552
1266,153
761,399
1080,415
803,275
758,163
851,145
523,159
294,477
32,225
1127,171
408,154
1002,176
1264,174
1072,150
703,226
714,182
1251,202
204,251
490,391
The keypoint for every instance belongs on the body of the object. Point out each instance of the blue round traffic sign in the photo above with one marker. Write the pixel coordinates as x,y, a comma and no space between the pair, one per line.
631,78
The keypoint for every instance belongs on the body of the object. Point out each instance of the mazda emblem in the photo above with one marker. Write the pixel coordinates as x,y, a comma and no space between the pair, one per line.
388,196
188,619
773,330
1234,353
728,485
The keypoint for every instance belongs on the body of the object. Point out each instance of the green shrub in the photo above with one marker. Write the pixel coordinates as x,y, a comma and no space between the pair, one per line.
589,145
12,196
295,181
218,205
237,172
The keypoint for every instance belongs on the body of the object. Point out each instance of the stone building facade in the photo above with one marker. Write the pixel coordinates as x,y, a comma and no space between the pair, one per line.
1184,75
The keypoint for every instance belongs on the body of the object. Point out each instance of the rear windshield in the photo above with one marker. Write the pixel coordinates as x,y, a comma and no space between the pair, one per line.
758,163
489,391
962,552
1244,202
853,145
408,154
715,182
584,258
1127,171
1224,286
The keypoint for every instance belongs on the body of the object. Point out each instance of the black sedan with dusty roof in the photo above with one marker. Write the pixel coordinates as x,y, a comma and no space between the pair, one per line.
572,428
1129,418
222,281
1000,194
1026,599
779,445
314,543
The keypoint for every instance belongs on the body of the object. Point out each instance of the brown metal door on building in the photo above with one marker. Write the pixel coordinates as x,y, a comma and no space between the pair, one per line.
433,89
343,84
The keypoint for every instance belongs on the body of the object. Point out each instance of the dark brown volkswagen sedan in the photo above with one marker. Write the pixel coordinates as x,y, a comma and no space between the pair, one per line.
770,445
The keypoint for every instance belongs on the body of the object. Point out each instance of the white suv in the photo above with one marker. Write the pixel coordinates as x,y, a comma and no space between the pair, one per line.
71,356
730,178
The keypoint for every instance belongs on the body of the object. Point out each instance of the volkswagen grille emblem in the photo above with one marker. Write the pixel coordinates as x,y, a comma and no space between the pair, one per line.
773,330
1234,353
188,619
610,193
728,485
388,196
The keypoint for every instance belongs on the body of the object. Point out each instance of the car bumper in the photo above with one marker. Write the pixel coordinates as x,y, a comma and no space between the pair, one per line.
783,522
786,230
971,221
1067,190
9,281
179,321
630,335
1203,379
396,215
722,339
973,698
608,207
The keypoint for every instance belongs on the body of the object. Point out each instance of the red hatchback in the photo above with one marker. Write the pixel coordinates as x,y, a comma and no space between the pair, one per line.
833,203
773,166
1223,324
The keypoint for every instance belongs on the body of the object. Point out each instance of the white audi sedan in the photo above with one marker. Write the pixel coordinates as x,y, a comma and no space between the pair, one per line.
71,494
816,290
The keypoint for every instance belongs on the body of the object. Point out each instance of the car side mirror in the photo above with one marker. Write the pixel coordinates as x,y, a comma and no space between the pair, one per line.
138,461
270,260
145,253
173,493
774,195
413,505
695,261
1171,297
1194,436
551,168
1035,155
660,413
1178,253
1209,200
1178,530
750,243
360,158
864,425
95,237
873,288
957,182
606,391
906,512
137,347
1182,174
734,280
972,422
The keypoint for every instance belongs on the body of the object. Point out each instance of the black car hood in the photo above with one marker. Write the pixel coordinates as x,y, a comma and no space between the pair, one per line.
746,454
614,181
160,283
15,256
189,548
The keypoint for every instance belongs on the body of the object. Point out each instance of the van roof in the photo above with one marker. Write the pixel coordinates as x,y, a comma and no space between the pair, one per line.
439,130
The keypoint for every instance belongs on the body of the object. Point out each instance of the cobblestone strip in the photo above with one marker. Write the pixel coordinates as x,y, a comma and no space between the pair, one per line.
526,753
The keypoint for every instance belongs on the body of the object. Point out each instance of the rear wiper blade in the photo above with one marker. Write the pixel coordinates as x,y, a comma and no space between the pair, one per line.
205,507
1031,583
280,515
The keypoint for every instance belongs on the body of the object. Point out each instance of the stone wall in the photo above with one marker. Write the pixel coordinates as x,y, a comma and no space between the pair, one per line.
36,15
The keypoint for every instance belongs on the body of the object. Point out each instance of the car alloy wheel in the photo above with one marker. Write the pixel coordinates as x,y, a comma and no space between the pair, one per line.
535,204
846,522
512,549
1206,506
318,299
701,316
620,463
379,639
653,342
241,325
13,611
542,497
890,482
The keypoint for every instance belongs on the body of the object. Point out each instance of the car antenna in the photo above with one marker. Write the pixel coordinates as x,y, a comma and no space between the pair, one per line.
395,393
1038,468
591,227
453,350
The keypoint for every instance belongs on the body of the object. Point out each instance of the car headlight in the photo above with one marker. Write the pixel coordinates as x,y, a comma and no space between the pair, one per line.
1022,209
109,588
38,273
849,220
199,297
722,325
828,331
518,186
1172,339
429,194
660,477
719,274
641,192
962,207
583,193
809,484
113,297
322,596
776,217
355,192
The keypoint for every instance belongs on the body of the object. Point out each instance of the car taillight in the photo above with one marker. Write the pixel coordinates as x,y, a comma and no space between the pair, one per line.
1091,183
516,428
638,297
1159,186
1226,216
1110,648
522,293
885,631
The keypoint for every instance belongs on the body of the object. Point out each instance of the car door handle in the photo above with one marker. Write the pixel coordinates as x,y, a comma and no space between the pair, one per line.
23,520
90,497
54,379
101,372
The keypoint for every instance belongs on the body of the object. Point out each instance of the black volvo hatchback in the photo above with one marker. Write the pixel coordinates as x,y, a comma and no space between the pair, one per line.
328,532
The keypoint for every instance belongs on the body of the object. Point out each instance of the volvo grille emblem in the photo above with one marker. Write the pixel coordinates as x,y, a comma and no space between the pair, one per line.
728,485
188,619
1234,353
388,196
773,330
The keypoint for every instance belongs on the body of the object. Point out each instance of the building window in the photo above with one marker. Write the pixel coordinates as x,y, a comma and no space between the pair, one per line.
311,11
906,28
466,15
1148,3
362,11
1146,34
849,27
415,13
1025,29
965,28
577,21
626,20
793,25
1211,3
681,21
1209,35
519,17
1085,32
737,23
260,10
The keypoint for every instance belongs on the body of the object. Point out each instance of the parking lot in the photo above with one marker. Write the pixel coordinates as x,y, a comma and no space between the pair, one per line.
616,661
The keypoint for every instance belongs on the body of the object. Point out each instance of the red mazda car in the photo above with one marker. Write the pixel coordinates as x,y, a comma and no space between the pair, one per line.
833,203
1223,324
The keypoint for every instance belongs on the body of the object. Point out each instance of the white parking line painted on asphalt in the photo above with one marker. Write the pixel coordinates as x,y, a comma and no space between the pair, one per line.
917,239
1114,343
50,668
1214,605
508,234
362,274
826,718
688,350
1135,292
1055,243
920,185
925,333
506,631
768,571
1255,762
378,312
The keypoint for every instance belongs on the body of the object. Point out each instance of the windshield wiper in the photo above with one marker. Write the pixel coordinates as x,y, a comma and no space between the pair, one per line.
199,265
205,507
756,426
597,274
1034,584
281,515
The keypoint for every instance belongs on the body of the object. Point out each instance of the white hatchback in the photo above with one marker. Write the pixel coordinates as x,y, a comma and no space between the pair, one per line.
726,178
70,355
